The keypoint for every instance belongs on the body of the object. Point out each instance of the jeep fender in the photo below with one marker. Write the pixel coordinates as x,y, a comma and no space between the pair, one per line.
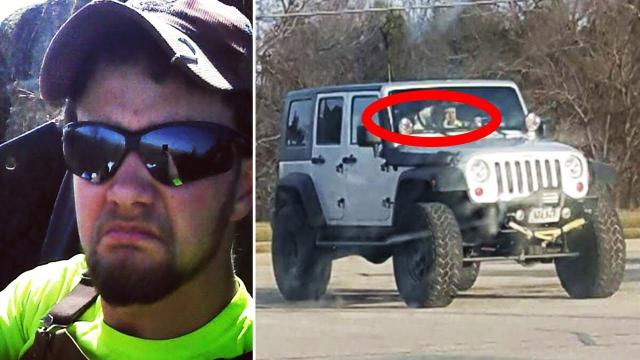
300,185
601,173
433,179
445,178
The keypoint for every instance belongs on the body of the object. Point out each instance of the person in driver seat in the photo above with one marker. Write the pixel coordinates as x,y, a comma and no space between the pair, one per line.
451,121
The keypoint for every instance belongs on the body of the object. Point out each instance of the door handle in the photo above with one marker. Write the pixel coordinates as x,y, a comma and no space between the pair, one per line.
317,160
349,160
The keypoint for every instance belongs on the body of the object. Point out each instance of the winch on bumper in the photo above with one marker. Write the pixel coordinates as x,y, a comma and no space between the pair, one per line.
535,228
549,235
546,216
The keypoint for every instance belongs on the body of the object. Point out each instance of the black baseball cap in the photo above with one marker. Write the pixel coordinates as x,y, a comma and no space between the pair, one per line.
205,38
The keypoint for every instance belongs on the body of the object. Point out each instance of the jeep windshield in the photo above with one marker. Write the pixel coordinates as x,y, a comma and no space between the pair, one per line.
445,117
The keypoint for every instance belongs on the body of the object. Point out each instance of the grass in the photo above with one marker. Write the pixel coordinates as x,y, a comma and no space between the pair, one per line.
632,233
263,232
630,219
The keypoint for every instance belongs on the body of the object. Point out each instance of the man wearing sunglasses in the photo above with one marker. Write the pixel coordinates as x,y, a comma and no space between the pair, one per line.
158,116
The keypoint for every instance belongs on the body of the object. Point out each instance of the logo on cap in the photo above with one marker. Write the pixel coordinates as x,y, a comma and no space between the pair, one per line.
153,5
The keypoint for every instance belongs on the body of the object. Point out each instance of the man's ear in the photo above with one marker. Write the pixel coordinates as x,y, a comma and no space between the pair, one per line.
244,195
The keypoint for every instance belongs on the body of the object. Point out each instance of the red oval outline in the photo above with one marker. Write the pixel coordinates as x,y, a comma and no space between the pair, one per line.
443,95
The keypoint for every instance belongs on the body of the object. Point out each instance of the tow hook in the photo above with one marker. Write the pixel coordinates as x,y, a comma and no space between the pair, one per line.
521,229
547,235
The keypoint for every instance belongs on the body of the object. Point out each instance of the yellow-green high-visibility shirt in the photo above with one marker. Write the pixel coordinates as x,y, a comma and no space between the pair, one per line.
33,294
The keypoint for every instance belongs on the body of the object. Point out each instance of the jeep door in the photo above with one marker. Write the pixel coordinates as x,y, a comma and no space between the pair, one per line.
326,157
369,185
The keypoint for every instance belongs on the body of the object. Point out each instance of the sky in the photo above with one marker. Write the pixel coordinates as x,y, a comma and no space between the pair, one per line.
9,6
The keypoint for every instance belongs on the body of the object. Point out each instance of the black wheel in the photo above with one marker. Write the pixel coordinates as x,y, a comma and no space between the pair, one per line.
301,270
598,271
468,276
426,270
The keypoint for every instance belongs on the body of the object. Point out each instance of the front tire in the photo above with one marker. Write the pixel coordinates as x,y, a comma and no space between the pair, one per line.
599,270
426,270
301,270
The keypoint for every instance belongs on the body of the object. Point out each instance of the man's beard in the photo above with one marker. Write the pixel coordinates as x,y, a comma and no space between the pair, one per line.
125,282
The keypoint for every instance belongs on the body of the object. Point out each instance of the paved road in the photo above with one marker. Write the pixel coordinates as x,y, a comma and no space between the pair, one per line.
511,313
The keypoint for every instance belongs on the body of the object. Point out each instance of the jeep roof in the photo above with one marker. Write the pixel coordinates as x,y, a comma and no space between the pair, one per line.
397,84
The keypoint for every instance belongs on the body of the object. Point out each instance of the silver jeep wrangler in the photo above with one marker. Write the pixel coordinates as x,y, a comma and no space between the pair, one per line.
439,212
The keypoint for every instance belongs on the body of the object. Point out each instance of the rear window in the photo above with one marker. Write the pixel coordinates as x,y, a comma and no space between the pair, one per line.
298,123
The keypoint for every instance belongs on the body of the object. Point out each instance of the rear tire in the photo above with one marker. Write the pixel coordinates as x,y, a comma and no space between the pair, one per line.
599,270
468,276
301,270
426,270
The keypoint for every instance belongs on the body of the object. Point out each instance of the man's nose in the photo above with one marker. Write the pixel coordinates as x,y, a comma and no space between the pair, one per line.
131,188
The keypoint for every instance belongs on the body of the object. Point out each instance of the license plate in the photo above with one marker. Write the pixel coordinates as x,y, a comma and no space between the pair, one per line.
544,215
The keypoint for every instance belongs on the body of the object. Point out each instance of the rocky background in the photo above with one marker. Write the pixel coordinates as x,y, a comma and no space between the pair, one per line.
24,37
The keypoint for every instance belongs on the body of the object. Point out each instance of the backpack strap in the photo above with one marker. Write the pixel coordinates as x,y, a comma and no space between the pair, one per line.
72,306
52,341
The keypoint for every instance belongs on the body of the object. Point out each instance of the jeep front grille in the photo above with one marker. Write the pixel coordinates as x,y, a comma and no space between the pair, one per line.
527,176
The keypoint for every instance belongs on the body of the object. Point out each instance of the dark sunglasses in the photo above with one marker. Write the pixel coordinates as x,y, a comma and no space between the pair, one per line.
174,153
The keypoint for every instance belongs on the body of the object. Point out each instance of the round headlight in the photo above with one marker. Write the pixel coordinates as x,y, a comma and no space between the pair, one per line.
574,166
405,126
479,171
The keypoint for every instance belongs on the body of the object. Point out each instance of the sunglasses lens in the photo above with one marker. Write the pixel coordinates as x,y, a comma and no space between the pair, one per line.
178,154
92,152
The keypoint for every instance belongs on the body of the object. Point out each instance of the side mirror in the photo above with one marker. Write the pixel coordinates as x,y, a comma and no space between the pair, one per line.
547,128
366,138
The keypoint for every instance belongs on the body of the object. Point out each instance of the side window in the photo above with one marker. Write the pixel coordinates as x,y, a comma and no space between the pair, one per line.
329,121
298,122
357,107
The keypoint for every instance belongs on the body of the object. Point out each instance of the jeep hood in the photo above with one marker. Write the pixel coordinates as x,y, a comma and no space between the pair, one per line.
493,145
413,155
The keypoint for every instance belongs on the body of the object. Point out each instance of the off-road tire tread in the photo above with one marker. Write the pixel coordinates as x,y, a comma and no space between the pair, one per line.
310,280
438,288
604,261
